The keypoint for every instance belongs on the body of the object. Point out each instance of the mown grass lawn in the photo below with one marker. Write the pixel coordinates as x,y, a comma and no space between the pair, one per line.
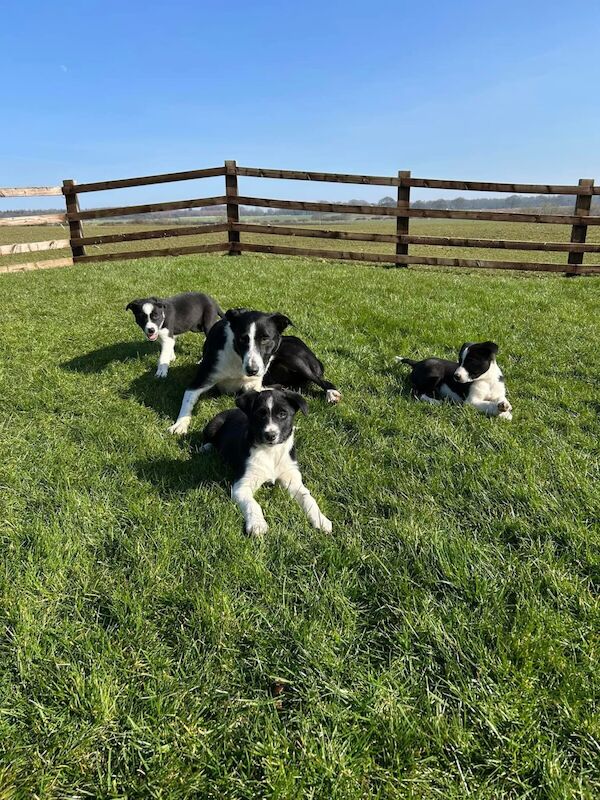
443,642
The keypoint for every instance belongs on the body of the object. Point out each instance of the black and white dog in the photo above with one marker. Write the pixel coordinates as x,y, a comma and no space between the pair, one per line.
475,379
166,318
257,440
245,351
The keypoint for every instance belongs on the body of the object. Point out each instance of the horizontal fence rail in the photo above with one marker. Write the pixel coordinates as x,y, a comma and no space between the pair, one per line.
233,201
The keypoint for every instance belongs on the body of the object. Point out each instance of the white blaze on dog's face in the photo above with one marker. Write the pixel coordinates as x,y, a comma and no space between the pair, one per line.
256,337
271,414
475,360
149,315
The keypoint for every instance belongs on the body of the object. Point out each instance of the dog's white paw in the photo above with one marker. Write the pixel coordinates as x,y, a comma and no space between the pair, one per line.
324,524
504,405
162,371
256,527
181,426
505,415
333,396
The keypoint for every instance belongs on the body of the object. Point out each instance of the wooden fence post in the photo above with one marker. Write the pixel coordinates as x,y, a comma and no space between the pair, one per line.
75,226
233,210
583,204
402,222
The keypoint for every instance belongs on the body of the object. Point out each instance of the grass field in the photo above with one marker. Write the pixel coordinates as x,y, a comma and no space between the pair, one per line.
442,642
459,228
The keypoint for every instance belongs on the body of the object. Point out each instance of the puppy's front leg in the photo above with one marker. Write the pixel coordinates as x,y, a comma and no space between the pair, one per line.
203,381
243,494
167,354
292,481
490,408
190,398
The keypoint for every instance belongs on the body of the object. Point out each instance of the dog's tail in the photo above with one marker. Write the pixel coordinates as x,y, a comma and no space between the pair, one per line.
409,361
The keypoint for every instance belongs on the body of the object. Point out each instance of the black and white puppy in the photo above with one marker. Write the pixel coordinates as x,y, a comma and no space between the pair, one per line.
245,351
166,318
475,379
257,440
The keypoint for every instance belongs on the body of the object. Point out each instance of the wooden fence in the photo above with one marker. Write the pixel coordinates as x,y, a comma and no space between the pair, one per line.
403,212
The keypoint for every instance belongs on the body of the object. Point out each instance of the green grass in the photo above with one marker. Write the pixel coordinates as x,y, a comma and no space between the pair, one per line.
443,642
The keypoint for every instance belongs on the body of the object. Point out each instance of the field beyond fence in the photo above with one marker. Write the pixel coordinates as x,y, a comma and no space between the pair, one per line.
391,240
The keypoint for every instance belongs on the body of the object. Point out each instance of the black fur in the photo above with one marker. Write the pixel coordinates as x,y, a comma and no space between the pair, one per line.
428,376
235,432
191,311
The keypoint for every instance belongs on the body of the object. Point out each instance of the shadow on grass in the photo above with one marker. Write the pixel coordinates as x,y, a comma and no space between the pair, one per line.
172,476
98,360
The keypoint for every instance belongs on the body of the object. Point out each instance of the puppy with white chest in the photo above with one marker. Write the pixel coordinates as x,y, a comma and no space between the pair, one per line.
475,379
165,318
245,351
257,440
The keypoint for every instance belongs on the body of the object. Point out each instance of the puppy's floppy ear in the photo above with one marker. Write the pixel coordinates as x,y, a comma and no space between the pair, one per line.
234,312
463,347
245,401
297,401
281,321
135,304
491,346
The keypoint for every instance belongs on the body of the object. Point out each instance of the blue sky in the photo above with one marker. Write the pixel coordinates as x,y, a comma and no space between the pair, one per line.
472,90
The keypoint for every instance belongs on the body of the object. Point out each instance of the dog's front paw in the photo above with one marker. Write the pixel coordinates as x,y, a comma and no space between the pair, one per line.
505,415
162,371
180,427
256,528
333,396
324,524
504,405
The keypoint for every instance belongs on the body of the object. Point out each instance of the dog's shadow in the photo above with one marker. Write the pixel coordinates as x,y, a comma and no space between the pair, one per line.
98,360
163,395
173,476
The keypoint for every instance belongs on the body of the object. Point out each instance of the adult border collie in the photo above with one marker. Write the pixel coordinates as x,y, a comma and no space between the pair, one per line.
168,317
475,379
245,351
257,440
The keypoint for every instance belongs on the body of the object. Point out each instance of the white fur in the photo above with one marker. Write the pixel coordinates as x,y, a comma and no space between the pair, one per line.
487,394
333,396
227,376
167,352
253,359
271,427
270,464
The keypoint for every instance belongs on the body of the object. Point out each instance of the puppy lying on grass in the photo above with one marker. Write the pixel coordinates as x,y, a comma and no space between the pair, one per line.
257,440
475,379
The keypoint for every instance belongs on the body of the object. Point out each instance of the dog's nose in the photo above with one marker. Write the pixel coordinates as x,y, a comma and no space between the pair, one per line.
251,370
270,436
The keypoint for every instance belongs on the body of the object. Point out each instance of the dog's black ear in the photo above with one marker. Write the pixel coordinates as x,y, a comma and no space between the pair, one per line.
135,304
281,321
463,347
233,313
245,401
491,346
297,401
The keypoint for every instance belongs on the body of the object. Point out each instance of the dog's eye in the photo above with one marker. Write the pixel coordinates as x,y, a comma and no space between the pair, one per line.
282,414
245,339
264,339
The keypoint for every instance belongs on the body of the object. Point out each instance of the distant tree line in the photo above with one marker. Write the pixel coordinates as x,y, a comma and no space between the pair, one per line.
541,203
